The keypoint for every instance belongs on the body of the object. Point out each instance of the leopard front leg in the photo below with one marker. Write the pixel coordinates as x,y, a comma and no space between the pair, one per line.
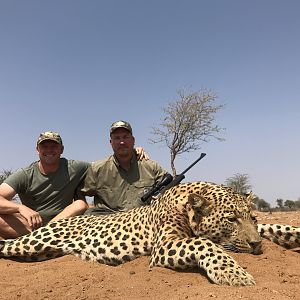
192,252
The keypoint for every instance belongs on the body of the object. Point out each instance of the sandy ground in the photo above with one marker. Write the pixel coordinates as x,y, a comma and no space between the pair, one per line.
276,271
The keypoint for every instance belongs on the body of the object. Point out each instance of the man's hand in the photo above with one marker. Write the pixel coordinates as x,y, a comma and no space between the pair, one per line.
33,218
141,154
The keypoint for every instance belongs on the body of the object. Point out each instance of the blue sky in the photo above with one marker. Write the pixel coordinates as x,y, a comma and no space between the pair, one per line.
76,66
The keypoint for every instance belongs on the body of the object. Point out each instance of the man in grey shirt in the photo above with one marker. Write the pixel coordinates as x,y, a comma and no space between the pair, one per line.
49,189
118,182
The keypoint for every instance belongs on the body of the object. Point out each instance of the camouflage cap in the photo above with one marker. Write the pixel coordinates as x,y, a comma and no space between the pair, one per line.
49,135
120,124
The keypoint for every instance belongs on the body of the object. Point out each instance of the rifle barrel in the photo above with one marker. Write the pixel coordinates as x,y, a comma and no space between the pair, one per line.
201,156
168,181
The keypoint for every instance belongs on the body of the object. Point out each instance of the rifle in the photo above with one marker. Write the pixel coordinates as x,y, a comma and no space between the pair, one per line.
168,182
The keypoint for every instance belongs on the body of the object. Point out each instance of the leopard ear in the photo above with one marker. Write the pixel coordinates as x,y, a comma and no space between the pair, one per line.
250,200
200,204
197,207
250,197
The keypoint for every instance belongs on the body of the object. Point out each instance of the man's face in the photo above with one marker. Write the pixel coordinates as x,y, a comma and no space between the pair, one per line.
49,151
122,142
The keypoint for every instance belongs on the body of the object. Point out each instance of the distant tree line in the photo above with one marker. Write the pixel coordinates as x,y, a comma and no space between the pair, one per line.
288,204
241,184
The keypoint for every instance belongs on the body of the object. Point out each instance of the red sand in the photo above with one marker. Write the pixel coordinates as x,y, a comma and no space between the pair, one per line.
276,271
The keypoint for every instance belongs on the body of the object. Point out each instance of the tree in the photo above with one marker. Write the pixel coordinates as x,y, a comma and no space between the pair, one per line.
280,203
289,204
261,204
4,175
239,183
187,123
297,204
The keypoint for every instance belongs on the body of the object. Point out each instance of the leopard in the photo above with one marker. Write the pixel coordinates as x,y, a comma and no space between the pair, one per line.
192,225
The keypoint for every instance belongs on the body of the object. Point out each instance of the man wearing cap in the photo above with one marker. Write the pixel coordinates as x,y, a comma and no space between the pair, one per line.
49,189
118,182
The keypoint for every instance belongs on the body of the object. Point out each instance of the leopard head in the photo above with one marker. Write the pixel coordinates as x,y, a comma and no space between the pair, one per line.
226,218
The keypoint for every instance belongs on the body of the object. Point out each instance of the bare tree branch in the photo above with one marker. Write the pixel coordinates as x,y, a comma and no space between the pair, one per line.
187,123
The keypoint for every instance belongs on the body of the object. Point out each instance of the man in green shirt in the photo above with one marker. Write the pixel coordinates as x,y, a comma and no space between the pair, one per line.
118,182
49,189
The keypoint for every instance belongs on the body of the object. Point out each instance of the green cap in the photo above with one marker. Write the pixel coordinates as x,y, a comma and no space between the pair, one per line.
120,124
49,135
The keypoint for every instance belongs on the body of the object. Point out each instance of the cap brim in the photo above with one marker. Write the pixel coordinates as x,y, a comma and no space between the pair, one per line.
49,139
124,127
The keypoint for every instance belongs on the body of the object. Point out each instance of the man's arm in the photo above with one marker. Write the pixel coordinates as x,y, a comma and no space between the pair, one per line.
15,218
78,207
6,195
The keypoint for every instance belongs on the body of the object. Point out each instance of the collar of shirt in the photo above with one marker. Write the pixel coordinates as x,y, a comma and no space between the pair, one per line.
132,161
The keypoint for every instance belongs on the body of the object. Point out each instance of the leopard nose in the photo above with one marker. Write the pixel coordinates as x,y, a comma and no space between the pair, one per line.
256,247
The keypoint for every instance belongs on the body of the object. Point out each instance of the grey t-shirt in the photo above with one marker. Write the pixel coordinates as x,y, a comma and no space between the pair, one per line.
49,194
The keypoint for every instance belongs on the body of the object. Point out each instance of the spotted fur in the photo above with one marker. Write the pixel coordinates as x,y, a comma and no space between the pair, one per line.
284,235
189,226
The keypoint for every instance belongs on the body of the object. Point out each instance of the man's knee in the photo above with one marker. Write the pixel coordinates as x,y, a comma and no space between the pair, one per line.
13,226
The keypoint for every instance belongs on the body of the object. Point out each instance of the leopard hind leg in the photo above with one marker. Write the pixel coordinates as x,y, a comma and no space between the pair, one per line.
286,236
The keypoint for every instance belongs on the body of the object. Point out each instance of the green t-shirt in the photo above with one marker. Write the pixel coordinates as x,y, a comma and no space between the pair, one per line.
49,194
117,189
